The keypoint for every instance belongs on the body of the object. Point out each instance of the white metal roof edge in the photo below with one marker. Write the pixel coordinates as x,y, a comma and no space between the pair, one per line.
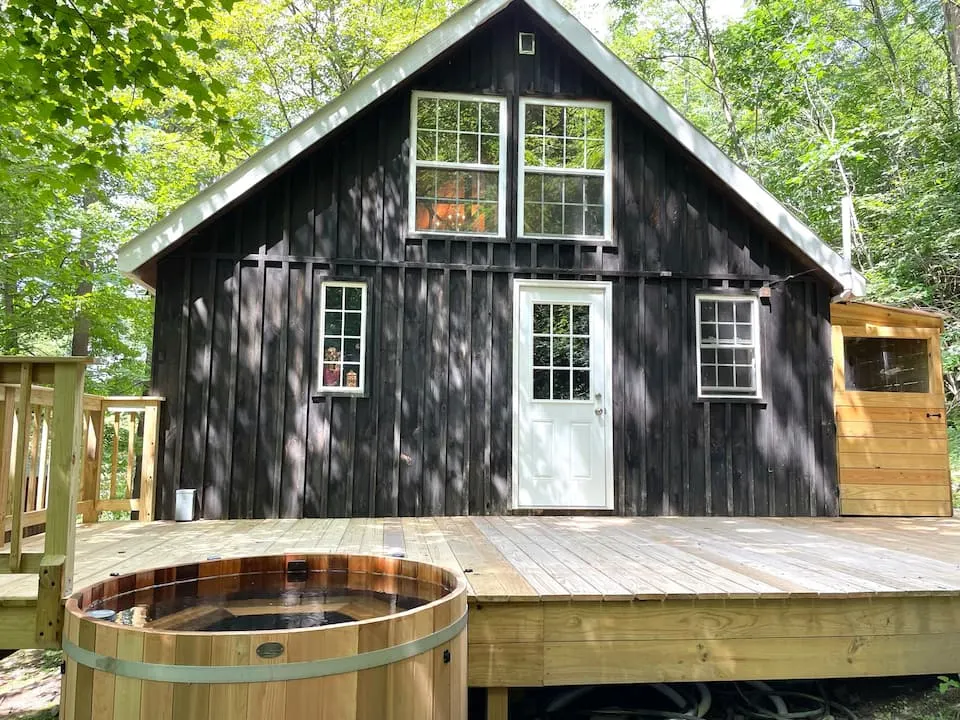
163,234
208,202
698,144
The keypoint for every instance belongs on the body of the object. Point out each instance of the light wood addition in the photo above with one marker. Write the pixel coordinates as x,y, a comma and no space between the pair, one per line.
892,450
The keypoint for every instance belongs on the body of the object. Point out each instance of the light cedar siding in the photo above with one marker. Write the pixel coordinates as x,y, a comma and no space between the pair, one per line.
892,448
137,258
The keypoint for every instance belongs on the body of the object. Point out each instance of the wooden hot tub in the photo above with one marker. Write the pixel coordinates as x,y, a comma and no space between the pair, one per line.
188,642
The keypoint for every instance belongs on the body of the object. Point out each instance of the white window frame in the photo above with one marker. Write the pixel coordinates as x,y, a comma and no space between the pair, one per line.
322,335
607,171
414,164
731,393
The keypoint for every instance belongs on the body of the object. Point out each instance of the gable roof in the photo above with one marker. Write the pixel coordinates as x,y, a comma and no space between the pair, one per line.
136,256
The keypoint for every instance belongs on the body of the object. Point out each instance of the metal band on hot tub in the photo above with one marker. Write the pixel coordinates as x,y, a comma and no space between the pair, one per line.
207,675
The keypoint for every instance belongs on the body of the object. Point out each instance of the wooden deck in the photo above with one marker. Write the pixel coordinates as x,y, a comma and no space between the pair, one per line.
572,600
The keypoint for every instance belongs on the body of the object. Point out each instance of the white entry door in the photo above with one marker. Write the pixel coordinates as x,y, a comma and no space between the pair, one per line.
562,431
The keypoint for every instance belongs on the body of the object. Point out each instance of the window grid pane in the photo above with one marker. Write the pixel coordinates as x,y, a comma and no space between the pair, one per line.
727,346
451,134
342,346
564,154
561,351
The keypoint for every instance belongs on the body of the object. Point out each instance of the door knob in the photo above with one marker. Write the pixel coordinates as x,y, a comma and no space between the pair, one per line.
598,411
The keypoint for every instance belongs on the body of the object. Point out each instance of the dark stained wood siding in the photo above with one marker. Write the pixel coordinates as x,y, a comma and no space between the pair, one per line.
236,332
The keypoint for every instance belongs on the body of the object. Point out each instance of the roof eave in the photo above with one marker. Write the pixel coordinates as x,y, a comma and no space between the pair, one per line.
162,235
698,144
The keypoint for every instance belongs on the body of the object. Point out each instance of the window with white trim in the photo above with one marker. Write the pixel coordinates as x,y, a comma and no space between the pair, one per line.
728,346
343,348
565,164
457,164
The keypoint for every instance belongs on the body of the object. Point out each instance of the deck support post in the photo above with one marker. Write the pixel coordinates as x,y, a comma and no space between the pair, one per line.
148,464
65,463
497,703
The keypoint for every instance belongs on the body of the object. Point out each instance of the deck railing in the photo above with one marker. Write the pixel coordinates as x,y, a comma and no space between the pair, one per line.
118,457
60,478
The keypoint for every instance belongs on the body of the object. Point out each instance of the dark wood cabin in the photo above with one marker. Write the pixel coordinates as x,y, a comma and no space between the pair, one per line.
355,329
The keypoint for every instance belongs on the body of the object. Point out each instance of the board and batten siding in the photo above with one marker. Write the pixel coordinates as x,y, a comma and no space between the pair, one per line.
236,334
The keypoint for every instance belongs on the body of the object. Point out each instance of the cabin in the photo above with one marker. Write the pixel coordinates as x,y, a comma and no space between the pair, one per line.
475,312
501,274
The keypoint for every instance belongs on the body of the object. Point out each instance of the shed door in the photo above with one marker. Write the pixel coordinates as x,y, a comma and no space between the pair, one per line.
562,424
891,418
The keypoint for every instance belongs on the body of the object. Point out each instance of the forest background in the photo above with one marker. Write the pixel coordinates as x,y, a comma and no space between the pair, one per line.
112,113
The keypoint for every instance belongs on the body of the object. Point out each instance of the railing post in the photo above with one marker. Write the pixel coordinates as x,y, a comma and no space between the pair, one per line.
17,483
148,462
93,453
56,567
7,433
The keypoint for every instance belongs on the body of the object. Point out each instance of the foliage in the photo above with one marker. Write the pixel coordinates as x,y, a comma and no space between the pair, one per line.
821,99
948,683
75,74
111,115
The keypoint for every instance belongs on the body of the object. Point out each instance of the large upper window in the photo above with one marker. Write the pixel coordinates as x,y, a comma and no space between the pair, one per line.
728,346
343,346
458,168
565,179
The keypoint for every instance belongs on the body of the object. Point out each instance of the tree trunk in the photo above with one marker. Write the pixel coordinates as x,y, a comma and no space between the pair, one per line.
10,336
951,14
81,322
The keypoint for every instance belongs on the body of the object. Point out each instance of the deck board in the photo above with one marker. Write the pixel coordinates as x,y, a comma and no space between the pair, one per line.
563,558
606,599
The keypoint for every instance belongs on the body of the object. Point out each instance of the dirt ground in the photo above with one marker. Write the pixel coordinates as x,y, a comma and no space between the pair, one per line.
30,690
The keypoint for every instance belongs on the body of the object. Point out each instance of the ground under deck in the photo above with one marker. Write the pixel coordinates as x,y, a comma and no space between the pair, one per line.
574,600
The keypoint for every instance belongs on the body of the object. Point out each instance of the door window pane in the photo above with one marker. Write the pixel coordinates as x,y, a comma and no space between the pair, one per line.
561,351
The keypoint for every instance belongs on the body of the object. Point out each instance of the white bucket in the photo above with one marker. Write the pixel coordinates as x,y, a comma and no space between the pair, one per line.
186,501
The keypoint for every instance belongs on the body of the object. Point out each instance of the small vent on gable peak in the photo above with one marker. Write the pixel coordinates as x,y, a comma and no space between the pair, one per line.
528,44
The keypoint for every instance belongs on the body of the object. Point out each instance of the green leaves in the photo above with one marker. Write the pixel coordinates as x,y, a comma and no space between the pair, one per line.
78,74
832,98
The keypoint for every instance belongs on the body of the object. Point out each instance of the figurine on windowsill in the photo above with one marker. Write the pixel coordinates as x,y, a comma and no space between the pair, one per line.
352,378
331,368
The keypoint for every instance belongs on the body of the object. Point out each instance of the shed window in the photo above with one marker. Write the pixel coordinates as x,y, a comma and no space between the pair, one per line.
343,336
728,346
458,154
880,364
565,169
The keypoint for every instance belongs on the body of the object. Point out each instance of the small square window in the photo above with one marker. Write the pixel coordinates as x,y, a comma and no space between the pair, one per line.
728,348
343,337
527,43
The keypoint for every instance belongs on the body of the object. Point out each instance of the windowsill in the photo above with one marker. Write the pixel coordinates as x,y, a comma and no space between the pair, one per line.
440,234
731,399
566,238
318,396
